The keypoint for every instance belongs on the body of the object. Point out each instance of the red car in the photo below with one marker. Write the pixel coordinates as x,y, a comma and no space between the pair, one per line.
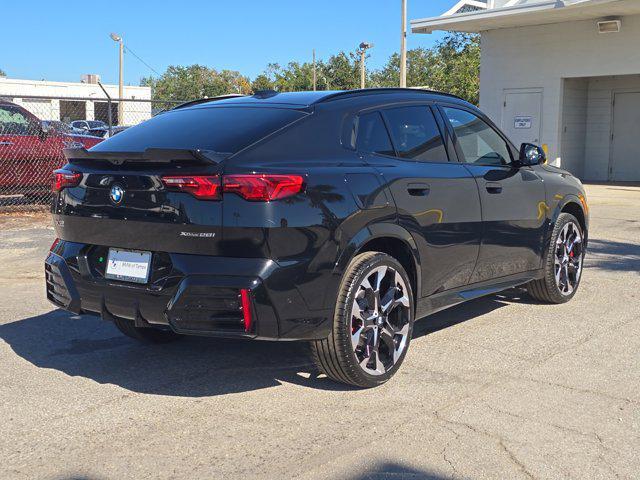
29,152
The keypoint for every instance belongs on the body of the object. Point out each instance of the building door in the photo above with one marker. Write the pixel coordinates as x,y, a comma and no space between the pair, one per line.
521,115
625,141
101,112
71,110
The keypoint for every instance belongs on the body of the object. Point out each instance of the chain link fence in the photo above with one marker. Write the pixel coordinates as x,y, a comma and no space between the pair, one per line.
35,129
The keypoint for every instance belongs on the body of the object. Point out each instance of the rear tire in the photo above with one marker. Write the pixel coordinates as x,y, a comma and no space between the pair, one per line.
563,263
372,325
144,335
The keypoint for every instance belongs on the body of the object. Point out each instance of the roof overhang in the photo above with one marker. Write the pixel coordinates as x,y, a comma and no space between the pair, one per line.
539,13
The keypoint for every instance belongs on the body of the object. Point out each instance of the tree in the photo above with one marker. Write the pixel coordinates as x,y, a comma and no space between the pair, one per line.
2,74
456,66
196,81
342,71
452,66
418,62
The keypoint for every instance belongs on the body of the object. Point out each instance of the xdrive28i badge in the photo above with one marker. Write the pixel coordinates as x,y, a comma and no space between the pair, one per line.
117,194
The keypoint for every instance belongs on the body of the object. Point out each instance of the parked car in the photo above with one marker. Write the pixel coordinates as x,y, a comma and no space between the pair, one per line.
29,151
97,128
116,130
61,127
332,217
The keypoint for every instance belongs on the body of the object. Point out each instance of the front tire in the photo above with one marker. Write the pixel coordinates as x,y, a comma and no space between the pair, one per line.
144,335
372,325
563,263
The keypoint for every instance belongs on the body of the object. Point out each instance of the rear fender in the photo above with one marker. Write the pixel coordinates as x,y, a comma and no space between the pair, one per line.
356,245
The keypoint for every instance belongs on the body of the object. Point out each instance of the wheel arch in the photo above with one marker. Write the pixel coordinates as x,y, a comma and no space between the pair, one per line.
576,207
389,238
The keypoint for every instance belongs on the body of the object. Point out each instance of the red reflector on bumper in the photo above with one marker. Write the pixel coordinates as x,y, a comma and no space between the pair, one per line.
245,305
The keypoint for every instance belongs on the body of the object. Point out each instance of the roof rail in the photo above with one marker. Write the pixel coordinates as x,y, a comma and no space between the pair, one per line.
373,91
207,99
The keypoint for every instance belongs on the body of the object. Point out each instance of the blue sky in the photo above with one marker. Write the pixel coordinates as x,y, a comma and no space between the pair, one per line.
61,40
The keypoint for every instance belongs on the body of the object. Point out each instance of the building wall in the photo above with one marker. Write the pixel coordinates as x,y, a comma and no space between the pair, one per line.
574,124
15,89
541,57
599,117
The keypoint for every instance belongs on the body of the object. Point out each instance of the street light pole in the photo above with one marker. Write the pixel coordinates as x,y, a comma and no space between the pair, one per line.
314,69
364,46
118,38
403,47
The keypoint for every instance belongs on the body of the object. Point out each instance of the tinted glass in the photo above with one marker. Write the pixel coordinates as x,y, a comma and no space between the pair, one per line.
13,121
479,142
220,129
372,135
415,134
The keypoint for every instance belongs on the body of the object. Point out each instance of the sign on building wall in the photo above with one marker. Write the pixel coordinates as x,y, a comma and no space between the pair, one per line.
522,123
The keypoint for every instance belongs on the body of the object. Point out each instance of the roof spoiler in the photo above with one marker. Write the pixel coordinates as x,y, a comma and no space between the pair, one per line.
156,155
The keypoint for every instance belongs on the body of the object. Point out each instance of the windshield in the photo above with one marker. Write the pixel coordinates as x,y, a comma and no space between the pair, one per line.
96,124
221,129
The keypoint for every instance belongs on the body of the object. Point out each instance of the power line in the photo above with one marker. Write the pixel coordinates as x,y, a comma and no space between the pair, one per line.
142,61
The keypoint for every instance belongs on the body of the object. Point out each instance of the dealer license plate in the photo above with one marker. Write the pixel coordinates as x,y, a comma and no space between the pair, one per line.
128,265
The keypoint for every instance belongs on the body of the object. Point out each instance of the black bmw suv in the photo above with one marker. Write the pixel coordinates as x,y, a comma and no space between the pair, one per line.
332,217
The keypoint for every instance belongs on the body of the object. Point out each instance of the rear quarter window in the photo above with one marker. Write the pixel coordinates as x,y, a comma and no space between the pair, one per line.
221,129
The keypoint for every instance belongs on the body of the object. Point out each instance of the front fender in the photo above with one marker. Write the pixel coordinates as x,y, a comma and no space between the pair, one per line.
559,204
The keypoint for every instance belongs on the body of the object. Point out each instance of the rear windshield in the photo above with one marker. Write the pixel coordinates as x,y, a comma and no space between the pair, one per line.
221,129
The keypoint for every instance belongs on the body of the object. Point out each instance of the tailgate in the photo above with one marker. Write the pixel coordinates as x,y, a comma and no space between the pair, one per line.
124,203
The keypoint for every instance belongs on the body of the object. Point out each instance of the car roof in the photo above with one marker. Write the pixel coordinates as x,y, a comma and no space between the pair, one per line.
310,98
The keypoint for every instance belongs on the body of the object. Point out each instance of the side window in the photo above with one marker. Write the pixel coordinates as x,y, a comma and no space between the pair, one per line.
371,135
480,143
415,134
15,122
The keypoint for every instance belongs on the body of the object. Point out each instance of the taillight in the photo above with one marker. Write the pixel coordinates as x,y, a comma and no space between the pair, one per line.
260,187
203,187
54,245
64,179
245,305
263,187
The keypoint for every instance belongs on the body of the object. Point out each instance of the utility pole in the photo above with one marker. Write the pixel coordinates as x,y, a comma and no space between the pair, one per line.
364,46
314,69
403,46
118,38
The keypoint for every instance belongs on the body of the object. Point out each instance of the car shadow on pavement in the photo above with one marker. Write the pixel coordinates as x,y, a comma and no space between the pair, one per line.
613,256
86,346
470,310
378,471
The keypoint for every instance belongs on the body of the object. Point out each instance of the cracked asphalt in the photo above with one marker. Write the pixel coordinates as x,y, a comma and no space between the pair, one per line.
500,387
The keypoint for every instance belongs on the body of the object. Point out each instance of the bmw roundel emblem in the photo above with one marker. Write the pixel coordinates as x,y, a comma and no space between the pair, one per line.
117,194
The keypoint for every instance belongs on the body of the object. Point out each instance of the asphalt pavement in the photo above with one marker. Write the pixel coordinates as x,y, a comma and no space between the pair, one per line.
501,387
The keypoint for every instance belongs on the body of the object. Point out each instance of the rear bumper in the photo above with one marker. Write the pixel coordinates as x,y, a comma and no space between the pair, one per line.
190,294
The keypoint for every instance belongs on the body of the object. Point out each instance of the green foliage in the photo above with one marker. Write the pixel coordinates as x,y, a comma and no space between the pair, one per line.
196,81
452,66
2,74
456,66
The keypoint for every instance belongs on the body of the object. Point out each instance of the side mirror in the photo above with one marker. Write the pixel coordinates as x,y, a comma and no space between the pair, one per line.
45,131
531,154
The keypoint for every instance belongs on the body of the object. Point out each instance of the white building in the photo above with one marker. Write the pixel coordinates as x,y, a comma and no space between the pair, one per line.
68,101
552,73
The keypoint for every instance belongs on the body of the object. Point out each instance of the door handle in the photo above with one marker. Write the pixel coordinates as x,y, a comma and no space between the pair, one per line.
6,143
493,188
418,189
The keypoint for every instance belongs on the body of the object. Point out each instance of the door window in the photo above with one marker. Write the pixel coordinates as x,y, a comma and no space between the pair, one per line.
15,122
480,144
371,135
415,134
